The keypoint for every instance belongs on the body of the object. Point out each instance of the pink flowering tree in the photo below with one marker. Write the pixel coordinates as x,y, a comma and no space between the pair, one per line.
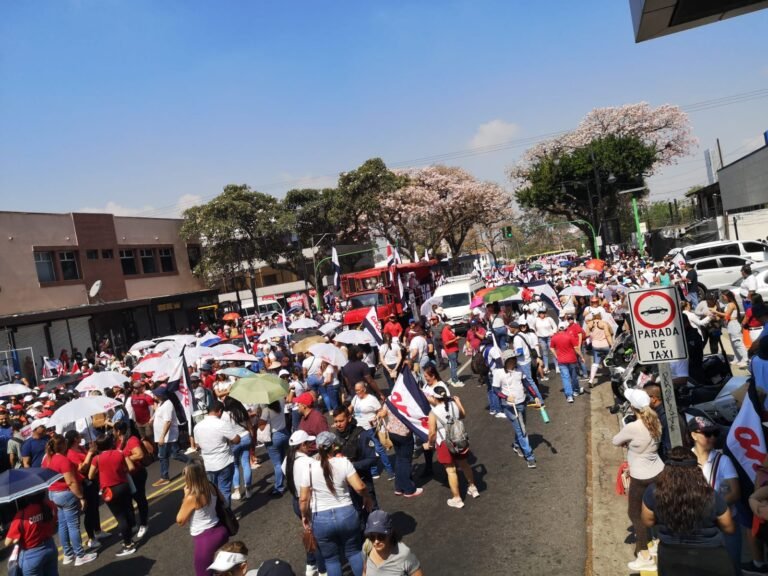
577,175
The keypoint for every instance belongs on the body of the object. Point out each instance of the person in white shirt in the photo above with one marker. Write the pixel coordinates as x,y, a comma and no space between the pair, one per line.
417,350
513,384
544,327
166,433
214,438
390,357
747,288
364,407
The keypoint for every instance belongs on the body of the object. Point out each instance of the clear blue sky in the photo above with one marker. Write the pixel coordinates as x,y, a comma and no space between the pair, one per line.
149,106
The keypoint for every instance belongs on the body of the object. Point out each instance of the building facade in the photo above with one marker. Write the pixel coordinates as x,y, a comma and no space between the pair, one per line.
71,280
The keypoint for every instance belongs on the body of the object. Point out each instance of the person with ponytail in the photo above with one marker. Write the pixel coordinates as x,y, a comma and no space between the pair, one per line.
327,509
68,496
82,459
641,439
691,518
128,441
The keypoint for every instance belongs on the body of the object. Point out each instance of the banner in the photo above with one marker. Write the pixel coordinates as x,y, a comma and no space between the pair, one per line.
336,269
746,441
178,383
408,403
373,327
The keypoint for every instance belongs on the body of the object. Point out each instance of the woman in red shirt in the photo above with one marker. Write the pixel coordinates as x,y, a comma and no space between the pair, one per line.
32,529
82,458
69,498
113,467
127,440
451,347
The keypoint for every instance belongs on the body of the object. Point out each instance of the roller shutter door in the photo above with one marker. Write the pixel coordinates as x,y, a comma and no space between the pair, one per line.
81,333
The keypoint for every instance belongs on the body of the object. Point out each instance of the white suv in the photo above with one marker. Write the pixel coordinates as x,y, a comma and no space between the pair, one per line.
719,272
757,251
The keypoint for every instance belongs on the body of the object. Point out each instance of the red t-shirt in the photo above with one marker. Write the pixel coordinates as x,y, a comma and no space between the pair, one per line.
209,381
393,329
575,330
61,464
128,447
111,467
29,528
77,458
563,344
447,335
141,404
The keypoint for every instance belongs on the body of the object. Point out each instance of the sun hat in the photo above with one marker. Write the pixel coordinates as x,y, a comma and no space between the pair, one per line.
225,561
299,437
638,399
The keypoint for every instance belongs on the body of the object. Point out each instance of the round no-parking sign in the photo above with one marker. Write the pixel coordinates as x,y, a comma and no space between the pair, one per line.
657,325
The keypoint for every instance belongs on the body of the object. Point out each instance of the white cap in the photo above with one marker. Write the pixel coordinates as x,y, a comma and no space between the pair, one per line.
562,325
299,437
638,399
28,398
283,372
40,422
225,561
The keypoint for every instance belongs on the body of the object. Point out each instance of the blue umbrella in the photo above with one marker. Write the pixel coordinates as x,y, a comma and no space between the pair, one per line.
20,482
237,372
212,341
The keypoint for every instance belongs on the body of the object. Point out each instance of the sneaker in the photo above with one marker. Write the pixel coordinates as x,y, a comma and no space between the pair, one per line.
557,369
141,532
518,451
190,450
576,393
455,503
249,493
569,399
531,463
457,384
85,558
501,415
126,551
161,482
92,544
275,493
398,492
390,477
235,495
492,413
68,560
417,492
752,568
472,491
582,391
641,564
376,476
310,571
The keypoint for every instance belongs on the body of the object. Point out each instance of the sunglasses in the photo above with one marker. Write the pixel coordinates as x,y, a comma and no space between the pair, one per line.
374,536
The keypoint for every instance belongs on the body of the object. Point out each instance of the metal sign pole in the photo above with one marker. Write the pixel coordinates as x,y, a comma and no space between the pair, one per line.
670,404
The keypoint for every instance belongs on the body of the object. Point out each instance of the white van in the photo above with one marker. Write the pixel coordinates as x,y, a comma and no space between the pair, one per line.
757,251
456,295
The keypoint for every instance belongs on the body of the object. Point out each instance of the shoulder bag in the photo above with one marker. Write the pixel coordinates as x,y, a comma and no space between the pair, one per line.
308,534
225,514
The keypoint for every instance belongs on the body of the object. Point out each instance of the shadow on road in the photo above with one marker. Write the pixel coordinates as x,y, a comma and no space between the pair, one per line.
136,566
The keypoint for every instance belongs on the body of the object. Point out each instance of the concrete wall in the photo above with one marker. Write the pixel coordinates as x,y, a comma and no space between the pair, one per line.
750,225
744,183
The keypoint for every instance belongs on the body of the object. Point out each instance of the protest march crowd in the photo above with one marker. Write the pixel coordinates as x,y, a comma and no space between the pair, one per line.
304,389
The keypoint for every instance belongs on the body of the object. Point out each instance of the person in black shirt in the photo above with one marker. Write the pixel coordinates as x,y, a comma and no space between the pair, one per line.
692,283
358,371
359,449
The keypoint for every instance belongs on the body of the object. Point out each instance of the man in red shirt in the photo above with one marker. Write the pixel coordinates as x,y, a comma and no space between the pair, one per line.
142,405
393,327
312,421
206,376
575,330
567,351
451,347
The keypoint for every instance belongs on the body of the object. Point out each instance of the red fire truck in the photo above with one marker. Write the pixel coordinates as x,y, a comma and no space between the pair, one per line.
374,287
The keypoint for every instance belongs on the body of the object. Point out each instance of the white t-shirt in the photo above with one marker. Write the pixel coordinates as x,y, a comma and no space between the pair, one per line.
418,347
300,470
365,410
330,371
229,419
212,436
544,327
390,353
749,284
165,413
442,411
299,387
429,391
322,498
312,365
518,344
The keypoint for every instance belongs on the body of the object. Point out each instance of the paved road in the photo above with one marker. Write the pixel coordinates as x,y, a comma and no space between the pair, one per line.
525,522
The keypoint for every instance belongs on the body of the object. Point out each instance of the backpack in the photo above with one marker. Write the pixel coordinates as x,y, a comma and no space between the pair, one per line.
456,436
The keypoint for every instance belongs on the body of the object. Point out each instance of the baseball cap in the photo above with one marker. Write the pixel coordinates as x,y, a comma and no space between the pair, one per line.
275,567
306,399
562,325
441,391
299,437
700,424
326,439
225,561
638,399
206,366
379,522
514,325
283,372
28,398
39,422
194,376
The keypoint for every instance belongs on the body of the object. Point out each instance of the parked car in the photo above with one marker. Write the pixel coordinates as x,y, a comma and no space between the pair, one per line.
720,272
762,282
757,251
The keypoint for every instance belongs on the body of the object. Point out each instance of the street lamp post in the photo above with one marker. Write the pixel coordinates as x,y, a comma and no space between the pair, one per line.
638,232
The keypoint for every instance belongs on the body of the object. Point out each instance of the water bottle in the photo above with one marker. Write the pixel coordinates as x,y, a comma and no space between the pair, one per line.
544,415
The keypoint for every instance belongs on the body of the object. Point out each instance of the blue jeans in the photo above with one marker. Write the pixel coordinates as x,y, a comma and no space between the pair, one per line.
582,366
598,354
501,337
518,423
403,461
167,451
338,535
223,480
68,507
526,369
544,345
276,452
330,396
693,296
381,453
295,419
453,364
40,561
494,402
242,455
569,378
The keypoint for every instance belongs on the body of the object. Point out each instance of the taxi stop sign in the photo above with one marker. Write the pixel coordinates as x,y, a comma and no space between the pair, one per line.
657,325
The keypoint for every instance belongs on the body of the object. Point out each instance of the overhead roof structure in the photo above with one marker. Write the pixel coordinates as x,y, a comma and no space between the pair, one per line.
655,18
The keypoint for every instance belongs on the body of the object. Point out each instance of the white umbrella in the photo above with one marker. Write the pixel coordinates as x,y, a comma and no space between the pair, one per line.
13,390
142,345
101,381
273,333
354,337
221,349
329,327
329,353
235,357
303,323
158,366
82,408
576,291
192,355
166,345
589,272
180,338
426,308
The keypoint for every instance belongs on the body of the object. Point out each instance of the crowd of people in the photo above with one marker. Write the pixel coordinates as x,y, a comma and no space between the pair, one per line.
333,439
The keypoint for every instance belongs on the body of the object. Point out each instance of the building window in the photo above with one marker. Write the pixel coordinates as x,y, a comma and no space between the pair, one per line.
68,262
107,255
92,254
128,262
166,259
46,271
194,255
147,256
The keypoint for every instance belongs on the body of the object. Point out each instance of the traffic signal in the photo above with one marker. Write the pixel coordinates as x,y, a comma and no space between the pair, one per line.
507,231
